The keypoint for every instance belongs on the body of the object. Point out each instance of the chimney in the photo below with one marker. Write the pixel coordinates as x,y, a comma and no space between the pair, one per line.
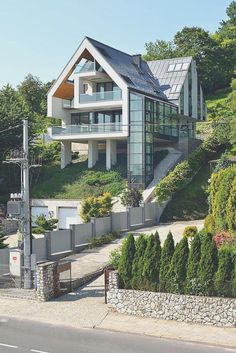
137,60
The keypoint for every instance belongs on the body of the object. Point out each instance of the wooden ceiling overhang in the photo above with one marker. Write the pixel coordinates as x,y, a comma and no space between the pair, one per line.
66,89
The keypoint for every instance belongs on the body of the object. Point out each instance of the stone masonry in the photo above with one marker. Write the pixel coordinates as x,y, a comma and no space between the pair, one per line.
193,309
48,285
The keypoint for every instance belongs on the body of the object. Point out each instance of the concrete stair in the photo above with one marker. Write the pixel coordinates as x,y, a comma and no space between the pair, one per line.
168,163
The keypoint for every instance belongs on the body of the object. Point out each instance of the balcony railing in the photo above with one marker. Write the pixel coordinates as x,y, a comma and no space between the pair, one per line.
86,129
101,96
88,66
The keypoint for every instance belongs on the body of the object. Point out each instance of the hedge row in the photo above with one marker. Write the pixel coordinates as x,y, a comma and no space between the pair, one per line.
200,269
181,174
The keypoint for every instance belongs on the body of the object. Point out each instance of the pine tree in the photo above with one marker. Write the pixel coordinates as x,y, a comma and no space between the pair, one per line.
2,238
193,264
138,262
126,260
152,259
224,273
166,256
178,268
207,265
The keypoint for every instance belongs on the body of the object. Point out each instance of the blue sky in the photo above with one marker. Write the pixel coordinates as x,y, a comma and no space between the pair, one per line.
39,36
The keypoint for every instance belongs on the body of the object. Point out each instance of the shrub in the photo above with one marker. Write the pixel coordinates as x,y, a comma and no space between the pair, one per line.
96,207
152,258
166,256
105,239
231,209
114,258
207,265
43,224
234,279
138,263
223,163
224,273
126,261
190,232
233,84
209,224
178,268
192,268
131,197
2,238
221,238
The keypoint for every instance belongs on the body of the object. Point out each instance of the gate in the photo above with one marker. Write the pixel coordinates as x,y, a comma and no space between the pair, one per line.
64,276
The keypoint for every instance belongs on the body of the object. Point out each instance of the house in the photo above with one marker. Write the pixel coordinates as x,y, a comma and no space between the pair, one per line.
114,101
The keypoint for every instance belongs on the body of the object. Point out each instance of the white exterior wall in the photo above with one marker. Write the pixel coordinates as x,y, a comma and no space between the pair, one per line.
65,153
56,110
186,96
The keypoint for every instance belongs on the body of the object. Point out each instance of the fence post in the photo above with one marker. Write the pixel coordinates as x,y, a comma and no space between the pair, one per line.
72,237
47,236
93,222
128,217
143,213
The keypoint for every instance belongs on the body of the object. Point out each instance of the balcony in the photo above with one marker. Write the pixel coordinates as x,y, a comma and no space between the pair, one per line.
101,96
85,129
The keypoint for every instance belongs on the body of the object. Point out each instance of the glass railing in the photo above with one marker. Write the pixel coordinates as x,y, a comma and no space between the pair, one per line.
101,96
86,129
86,67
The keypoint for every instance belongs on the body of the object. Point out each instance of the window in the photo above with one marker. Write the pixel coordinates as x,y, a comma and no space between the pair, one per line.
178,67
185,66
171,67
175,88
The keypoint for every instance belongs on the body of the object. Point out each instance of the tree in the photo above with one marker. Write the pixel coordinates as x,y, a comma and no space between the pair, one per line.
31,89
223,163
231,12
234,279
131,197
126,261
43,224
192,268
224,273
190,232
152,259
96,207
177,273
159,50
138,262
2,238
166,256
207,265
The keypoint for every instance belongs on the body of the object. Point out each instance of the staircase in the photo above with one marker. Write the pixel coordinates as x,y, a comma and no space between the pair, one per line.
168,163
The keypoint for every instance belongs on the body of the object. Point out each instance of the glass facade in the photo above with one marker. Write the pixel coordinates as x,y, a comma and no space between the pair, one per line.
148,119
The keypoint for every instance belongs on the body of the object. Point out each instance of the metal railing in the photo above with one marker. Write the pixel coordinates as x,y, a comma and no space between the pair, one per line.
101,96
86,129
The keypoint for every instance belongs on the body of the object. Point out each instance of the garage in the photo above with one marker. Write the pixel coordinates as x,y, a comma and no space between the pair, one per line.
38,210
67,216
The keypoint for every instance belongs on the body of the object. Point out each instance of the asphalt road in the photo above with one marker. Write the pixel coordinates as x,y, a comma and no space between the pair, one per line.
21,336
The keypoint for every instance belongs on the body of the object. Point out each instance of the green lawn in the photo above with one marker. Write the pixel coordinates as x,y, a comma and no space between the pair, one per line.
217,97
76,181
191,202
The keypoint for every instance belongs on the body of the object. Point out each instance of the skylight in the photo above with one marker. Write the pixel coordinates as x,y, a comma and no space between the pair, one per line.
175,88
178,67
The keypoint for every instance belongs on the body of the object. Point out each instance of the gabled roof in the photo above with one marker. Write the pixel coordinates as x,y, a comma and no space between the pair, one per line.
170,77
139,78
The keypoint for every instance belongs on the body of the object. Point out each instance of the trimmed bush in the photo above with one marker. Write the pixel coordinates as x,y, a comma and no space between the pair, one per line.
166,256
231,209
190,232
126,261
114,258
234,279
177,273
207,265
224,273
152,259
138,263
193,263
209,224
96,207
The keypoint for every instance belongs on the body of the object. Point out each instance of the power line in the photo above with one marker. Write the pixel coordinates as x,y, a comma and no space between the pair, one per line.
10,128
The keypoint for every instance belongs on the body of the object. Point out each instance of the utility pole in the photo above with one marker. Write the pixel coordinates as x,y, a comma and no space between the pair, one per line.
26,219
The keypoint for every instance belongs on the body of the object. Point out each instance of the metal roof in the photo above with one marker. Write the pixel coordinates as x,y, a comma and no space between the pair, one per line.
170,74
139,78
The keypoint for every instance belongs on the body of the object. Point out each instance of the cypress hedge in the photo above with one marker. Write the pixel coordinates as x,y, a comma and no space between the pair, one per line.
166,256
193,264
126,261
223,275
137,281
178,268
152,259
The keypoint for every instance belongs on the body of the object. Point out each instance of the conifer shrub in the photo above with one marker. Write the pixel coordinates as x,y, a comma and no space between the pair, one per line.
207,265
138,263
223,275
166,256
234,279
178,268
190,232
152,259
192,285
126,261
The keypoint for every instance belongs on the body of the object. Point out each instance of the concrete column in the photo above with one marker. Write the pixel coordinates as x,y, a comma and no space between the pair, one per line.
194,91
65,153
111,155
92,153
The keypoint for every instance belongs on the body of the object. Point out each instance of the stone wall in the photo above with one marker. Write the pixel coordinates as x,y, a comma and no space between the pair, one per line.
194,309
48,285
9,226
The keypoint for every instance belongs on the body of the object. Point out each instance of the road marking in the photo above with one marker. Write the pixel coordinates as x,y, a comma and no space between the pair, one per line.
8,345
37,351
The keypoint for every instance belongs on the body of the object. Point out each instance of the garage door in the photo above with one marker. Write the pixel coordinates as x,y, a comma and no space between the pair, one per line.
38,210
67,216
